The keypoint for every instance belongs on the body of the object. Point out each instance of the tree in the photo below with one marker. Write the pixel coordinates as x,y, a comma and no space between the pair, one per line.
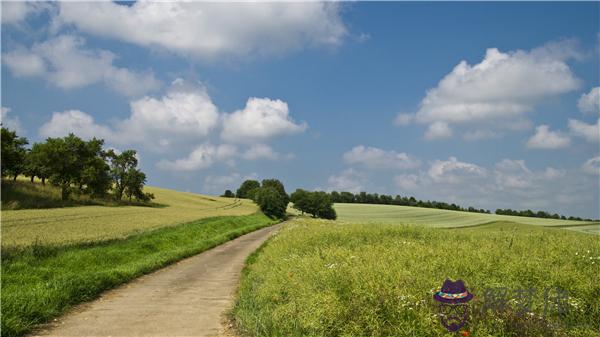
121,165
95,176
300,199
278,186
13,153
271,202
37,162
228,194
134,185
64,163
247,189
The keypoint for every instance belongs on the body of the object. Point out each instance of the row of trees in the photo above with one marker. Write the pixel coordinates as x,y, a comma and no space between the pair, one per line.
72,163
317,203
374,198
270,195
538,214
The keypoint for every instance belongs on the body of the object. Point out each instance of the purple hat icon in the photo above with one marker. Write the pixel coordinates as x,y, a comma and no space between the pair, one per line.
453,293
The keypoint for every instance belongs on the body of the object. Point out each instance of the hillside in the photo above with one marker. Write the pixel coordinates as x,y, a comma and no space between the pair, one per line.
93,223
387,214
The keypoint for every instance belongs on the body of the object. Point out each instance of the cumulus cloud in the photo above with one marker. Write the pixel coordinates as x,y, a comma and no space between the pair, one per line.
592,166
15,12
202,157
453,170
65,62
9,122
185,113
590,102
544,138
219,183
507,184
77,122
260,151
261,119
375,158
591,132
209,30
348,180
498,91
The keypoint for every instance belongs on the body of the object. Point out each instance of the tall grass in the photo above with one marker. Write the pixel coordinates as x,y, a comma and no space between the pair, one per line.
321,278
41,281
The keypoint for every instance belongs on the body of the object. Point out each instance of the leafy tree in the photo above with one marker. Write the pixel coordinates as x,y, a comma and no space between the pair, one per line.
64,163
121,167
134,185
300,199
228,194
277,185
13,153
37,162
95,176
247,189
271,202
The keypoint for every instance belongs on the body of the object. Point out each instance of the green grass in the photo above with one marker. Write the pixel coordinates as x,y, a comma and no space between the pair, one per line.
42,281
325,278
94,223
23,194
392,214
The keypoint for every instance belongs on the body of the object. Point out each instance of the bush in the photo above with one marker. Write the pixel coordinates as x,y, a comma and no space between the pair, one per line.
271,202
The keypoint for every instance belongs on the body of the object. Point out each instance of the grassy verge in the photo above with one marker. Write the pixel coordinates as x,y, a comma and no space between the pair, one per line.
320,278
23,194
40,282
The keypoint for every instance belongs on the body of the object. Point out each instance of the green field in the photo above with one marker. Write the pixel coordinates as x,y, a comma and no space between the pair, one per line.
94,223
326,278
41,282
392,214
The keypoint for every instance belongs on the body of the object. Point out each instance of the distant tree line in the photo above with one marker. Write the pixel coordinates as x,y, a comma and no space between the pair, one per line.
538,214
71,163
374,198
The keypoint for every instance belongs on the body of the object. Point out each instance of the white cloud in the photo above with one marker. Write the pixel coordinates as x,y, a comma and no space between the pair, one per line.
407,182
454,171
202,157
219,183
592,166
544,138
260,151
262,118
66,63
438,130
15,12
508,184
590,102
210,30
375,158
404,119
591,132
11,123
497,91
476,135
77,122
348,180
185,113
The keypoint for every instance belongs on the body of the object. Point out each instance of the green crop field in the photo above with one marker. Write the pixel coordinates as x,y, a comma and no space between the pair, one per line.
93,223
329,278
392,214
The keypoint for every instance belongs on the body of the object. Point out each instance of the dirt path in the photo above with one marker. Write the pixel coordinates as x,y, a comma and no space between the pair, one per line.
187,298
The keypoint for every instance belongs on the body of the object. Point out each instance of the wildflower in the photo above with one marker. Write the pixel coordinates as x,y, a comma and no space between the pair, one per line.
465,333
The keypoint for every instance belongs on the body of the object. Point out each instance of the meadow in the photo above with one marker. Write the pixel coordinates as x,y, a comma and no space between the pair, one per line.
98,222
331,278
392,214
42,281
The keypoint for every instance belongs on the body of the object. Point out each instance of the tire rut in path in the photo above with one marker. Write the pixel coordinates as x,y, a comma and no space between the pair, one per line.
187,298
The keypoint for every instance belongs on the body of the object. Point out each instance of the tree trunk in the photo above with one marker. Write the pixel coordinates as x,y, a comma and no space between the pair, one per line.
15,177
65,192
32,178
44,181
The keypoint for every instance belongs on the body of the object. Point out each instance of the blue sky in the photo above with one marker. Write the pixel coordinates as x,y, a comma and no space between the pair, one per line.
484,104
